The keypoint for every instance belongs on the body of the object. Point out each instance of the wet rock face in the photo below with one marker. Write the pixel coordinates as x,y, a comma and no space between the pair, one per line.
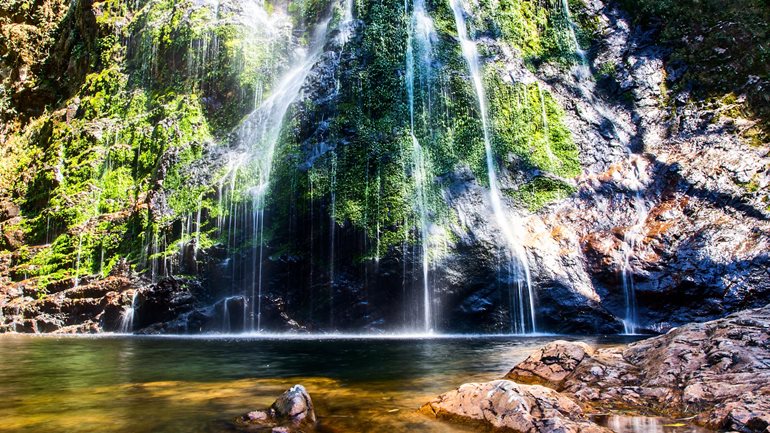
503,404
91,306
716,371
289,413
698,188
683,181
165,306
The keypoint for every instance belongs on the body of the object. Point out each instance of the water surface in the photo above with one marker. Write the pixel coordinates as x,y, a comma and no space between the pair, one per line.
128,384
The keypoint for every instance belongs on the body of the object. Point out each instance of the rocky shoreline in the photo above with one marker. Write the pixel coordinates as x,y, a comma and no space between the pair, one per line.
715,373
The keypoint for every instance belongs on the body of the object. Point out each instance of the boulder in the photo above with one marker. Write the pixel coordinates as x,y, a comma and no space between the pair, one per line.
291,411
551,364
503,404
716,372
295,405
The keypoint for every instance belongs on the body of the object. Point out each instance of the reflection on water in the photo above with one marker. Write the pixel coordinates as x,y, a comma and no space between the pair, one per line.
159,385
638,424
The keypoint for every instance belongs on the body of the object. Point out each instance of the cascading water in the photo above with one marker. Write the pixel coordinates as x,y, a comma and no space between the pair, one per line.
420,28
582,70
251,169
631,238
470,53
127,317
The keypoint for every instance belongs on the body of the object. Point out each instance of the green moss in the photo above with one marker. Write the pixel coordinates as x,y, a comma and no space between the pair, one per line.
540,31
540,191
171,78
528,127
608,69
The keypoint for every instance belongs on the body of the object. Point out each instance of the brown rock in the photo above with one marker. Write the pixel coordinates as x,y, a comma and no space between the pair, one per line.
94,306
507,405
716,371
291,411
551,364
12,234
295,405
8,210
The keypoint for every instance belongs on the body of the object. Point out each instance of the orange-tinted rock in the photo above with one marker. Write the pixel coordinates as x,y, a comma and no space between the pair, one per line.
503,404
715,371
290,412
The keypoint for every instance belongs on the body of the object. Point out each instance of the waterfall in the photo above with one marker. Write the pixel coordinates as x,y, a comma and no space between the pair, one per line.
470,53
251,169
345,26
227,313
225,316
421,27
631,238
332,233
127,317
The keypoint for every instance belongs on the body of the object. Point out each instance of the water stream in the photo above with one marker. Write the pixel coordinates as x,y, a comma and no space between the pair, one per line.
583,70
509,225
127,317
632,237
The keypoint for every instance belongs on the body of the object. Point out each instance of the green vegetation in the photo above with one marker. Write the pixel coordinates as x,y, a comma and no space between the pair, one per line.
528,125
110,173
28,32
539,30
540,191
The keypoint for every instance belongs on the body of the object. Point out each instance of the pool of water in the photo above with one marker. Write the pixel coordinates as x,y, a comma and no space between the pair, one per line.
172,384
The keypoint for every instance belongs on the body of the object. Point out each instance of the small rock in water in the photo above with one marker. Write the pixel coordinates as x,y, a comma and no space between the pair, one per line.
295,405
291,411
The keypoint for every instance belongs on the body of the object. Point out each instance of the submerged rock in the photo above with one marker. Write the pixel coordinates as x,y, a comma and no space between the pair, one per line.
504,404
718,372
290,412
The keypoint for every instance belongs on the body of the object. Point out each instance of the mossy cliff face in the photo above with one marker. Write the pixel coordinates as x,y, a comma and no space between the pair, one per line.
134,159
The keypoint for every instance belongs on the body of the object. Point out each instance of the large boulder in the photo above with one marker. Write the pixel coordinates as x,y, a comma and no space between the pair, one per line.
716,372
503,404
290,412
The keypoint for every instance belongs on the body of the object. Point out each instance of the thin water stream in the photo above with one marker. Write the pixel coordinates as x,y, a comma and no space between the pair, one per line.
509,224
420,31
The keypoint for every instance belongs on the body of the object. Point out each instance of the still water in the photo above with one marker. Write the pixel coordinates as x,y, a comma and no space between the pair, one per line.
127,384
